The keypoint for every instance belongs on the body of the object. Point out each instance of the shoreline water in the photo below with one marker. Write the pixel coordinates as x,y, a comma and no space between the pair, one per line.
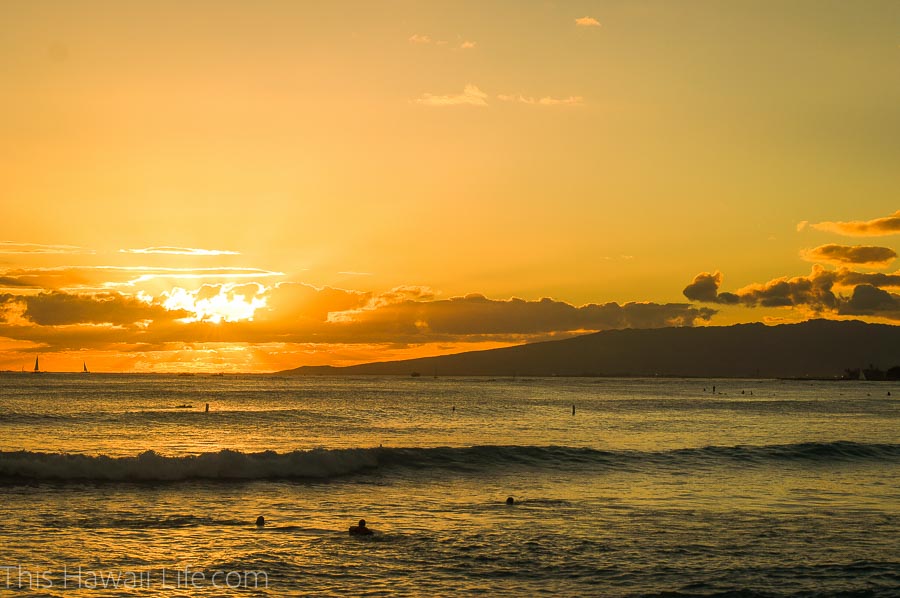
653,486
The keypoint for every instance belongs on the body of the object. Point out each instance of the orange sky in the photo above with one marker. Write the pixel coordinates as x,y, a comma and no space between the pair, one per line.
232,187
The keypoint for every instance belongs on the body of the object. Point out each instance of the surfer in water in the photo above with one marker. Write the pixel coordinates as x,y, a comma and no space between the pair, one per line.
360,529
260,521
510,500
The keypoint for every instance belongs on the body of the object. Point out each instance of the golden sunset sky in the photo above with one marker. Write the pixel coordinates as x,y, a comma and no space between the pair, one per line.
254,186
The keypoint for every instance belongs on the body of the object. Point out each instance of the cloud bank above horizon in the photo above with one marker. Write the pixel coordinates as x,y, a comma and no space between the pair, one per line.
282,187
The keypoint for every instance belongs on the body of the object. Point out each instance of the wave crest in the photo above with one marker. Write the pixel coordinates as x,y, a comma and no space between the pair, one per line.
150,466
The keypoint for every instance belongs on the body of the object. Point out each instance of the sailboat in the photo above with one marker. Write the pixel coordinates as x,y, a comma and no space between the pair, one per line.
37,368
84,370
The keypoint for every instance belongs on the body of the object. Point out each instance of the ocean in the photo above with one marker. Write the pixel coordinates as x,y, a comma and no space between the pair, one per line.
124,485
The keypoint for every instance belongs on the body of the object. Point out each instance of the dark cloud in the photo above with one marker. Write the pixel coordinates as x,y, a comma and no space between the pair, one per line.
58,309
876,279
889,225
815,291
868,300
299,313
861,255
476,314
6,281
705,288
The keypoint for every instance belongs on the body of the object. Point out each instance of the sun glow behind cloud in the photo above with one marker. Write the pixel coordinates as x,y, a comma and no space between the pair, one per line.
150,274
216,303
348,164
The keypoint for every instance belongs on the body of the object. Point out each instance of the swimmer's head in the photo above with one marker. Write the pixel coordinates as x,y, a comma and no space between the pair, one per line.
362,523
260,521
510,500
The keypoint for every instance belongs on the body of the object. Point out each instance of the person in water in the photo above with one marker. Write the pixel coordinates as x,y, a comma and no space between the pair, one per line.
510,500
260,521
360,529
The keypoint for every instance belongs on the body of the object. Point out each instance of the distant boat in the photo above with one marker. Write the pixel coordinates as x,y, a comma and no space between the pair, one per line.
84,366
37,368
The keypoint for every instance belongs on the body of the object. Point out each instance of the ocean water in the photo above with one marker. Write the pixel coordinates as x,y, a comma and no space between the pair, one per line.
123,485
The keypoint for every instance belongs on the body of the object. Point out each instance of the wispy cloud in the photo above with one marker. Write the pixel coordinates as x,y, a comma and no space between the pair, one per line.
179,251
108,277
543,101
8,247
148,274
421,39
587,22
842,255
889,225
610,258
471,96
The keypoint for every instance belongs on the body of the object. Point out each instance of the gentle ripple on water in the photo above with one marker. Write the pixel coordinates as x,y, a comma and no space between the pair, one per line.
654,488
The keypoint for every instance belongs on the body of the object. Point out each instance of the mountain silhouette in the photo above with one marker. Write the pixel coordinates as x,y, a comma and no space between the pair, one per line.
812,349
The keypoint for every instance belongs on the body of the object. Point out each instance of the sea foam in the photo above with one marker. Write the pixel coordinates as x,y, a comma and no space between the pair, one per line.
151,466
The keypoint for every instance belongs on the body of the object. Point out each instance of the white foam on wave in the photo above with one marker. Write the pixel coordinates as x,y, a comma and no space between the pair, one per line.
328,463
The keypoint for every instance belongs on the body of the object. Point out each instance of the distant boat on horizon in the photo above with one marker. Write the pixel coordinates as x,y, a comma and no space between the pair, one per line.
84,370
37,368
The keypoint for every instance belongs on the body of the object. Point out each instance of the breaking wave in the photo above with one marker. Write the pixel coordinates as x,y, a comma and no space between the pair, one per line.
150,466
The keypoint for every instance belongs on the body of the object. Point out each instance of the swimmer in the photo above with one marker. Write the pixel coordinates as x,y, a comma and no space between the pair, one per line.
361,529
510,500
260,521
